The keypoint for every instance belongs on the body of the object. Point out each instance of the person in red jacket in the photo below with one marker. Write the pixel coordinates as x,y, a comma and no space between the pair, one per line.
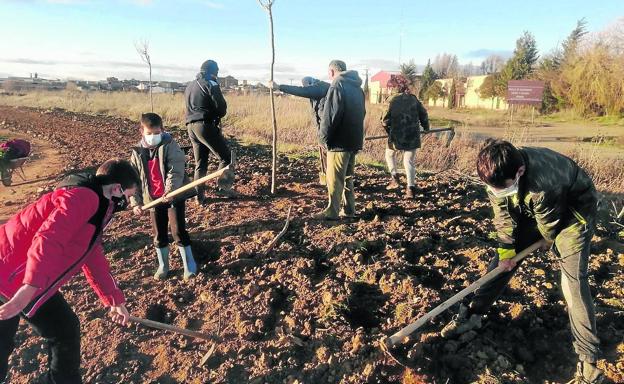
45,245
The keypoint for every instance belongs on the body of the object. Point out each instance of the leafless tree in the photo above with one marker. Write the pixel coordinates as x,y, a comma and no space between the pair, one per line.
267,5
446,65
492,64
142,48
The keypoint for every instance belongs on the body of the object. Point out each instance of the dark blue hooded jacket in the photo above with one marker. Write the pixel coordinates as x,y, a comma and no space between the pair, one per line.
204,101
342,121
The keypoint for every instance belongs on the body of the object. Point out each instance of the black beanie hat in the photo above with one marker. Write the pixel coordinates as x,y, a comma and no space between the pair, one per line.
209,67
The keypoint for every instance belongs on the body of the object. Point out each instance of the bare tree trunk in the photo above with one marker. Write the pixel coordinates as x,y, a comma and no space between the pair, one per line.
142,49
267,5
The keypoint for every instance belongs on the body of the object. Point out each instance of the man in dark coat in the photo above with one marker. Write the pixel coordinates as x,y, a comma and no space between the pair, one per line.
205,107
341,132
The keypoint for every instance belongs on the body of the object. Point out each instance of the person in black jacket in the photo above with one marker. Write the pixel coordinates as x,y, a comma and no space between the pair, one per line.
341,131
315,90
205,106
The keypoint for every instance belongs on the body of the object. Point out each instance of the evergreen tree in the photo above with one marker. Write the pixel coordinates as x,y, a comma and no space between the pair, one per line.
410,72
452,97
428,78
520,66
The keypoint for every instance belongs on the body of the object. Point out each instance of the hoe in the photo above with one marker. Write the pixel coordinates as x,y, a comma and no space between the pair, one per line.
402,336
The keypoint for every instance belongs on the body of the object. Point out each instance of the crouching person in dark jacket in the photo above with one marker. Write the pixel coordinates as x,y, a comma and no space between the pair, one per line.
45,245
342,133
315,90
539,194
205,107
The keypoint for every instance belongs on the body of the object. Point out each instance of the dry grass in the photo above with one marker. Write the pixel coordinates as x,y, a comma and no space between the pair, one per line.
249,119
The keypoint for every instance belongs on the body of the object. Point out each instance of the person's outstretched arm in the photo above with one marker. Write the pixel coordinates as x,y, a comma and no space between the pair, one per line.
313,92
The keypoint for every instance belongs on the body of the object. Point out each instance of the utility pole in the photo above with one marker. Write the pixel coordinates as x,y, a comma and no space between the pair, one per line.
401,32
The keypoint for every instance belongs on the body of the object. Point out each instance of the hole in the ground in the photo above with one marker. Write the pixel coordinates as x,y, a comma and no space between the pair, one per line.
156,312
321,264
428,277
363,305
278,303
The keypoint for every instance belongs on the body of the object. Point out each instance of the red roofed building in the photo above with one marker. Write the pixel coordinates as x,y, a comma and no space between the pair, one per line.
378,86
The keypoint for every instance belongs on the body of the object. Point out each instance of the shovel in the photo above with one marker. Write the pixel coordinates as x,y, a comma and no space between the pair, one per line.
401,336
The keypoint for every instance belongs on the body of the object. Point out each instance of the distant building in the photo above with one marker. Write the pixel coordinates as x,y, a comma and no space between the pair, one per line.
378,88
472,99
467,94
227,82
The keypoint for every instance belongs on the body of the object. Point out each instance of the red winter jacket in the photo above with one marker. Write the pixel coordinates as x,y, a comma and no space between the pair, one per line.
47,243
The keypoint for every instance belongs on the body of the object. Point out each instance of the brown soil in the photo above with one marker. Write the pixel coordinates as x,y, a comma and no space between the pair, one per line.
315,308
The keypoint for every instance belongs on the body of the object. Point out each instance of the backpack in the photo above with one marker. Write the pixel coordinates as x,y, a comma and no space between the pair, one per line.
88,180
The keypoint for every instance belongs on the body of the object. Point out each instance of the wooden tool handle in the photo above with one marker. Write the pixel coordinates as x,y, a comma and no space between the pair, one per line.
184,188
411,328
435,130
172,328
192,184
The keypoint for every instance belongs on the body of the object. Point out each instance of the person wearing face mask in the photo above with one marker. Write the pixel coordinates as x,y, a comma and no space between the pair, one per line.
159,161
315,90
539,194
45,245
205,107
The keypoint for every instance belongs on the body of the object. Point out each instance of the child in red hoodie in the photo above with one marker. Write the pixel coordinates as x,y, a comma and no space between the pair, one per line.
159,161
46,244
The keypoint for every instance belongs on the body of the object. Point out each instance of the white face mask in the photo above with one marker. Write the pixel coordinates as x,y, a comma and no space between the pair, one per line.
153,140
505,192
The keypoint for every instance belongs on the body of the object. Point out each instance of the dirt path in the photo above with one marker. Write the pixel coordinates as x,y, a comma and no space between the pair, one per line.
41,170
603,141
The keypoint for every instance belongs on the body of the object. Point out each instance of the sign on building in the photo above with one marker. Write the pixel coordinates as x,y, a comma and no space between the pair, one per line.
525,92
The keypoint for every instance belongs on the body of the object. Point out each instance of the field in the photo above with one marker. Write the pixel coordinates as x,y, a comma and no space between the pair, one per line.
596,144
314,309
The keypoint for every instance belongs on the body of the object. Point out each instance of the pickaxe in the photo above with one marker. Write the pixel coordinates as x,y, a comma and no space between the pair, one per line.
451,131
401,336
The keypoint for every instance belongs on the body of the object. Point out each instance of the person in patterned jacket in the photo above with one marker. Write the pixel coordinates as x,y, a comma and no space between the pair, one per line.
538,193
403,120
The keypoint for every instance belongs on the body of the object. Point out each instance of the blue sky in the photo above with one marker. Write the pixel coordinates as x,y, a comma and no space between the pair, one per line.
95,39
